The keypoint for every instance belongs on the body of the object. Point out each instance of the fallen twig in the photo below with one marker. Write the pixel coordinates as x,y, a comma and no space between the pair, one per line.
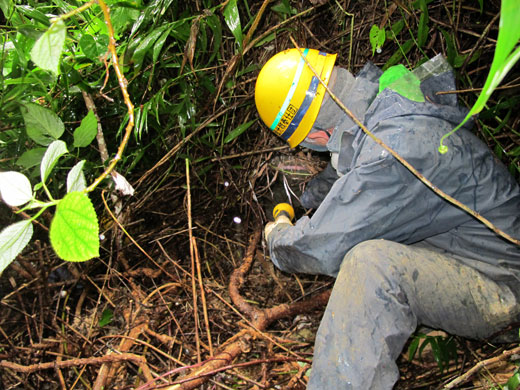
477,367
139,360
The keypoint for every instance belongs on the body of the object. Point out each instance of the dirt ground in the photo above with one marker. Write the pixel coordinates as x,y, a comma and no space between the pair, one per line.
185,296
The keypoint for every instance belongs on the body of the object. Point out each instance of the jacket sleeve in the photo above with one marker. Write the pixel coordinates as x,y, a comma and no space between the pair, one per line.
376,200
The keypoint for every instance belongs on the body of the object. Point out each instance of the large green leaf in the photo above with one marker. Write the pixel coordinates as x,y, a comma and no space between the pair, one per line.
377,37
157,47
43,126
74,231
46,52
12,240
503,61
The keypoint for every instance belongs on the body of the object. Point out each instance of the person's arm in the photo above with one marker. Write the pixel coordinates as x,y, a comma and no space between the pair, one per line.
368,202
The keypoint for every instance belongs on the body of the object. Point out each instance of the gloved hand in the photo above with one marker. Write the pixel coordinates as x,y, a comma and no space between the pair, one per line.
281,220
318,188
283,214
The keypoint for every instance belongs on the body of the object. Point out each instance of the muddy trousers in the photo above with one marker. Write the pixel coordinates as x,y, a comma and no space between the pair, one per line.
383,291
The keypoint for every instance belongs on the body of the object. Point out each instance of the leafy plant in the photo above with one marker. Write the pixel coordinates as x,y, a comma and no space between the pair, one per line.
284,9
106,318
377,37
74,230
48,61
444,349
507,53
232,18
513,383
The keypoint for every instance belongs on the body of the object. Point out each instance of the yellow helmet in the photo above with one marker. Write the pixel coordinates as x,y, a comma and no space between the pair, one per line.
288,95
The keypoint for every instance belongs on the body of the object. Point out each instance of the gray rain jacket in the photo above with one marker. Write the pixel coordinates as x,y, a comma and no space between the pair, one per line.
375,196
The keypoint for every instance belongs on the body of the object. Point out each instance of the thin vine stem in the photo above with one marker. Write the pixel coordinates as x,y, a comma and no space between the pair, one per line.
123,83
74,11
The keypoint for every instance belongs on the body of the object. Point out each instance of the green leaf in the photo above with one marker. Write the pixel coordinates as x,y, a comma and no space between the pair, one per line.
377,37
4,6
505,55
46,52
74,231
76,179
12,240
284,8
33,13
93,47
451,50
96,26
397,27
438,354
239,130
232,18
51,157
422,31
481,3
214,24
31,158
514,382
157,47
15,188
122,16
42,125
106,318
412,349
373,37
86,132
145,45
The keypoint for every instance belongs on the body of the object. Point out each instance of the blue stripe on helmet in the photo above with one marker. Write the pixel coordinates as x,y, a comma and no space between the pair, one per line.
307,101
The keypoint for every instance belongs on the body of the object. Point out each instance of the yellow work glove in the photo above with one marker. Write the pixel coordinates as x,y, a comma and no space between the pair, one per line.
283,213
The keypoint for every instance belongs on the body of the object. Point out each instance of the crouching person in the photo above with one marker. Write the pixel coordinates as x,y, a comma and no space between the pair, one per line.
401,254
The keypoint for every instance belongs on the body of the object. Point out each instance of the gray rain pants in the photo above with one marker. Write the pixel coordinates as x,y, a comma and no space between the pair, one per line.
382,292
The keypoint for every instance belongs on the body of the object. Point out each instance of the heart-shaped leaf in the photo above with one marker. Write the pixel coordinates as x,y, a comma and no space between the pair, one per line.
74,229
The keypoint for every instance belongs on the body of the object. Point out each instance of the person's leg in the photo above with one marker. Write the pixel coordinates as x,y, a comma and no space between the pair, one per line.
382,292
